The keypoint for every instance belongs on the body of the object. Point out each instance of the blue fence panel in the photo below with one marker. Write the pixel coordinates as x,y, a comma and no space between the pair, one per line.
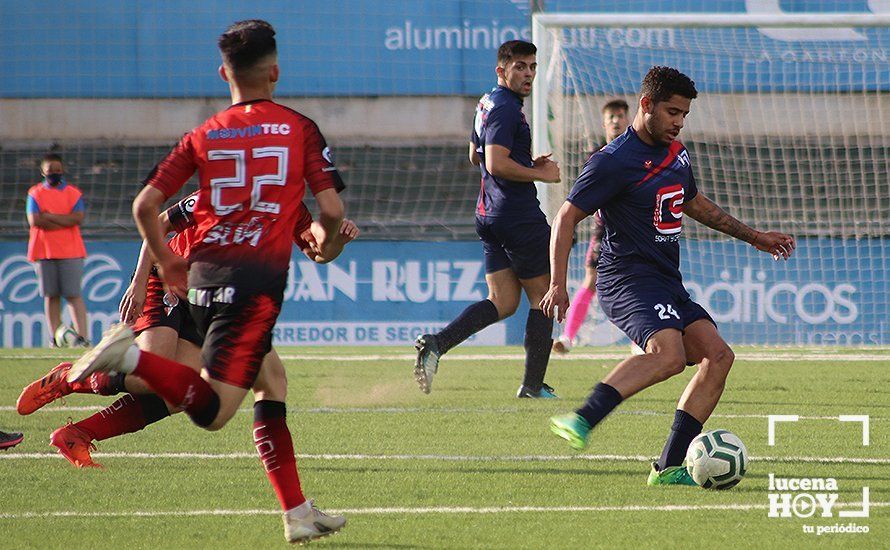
386,293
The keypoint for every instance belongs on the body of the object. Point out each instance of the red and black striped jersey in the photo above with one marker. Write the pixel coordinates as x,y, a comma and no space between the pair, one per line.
182,219
183,222
253,160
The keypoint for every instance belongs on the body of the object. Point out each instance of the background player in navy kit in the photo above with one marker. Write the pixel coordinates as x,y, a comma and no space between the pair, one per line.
254,161
509,221
642,183
615,122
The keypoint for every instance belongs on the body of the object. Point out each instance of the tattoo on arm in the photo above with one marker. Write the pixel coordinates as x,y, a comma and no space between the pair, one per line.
705,211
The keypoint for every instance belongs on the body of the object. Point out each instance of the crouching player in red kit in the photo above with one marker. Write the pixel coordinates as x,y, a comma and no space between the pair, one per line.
253,161
162,325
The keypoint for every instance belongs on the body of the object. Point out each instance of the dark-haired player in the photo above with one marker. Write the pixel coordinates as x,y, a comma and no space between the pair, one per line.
513,230
642,183
253,160
614,123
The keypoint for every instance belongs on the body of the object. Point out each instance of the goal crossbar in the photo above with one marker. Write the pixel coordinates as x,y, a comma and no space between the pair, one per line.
704,20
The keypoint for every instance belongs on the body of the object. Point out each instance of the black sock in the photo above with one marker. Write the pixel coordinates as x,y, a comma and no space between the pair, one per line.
266,409
538,341
207,414
684,430
116,383
600,403
153,408
470,321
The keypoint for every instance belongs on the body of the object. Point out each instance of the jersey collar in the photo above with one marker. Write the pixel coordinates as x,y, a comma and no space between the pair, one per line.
63,184
630,130
515,96
249,102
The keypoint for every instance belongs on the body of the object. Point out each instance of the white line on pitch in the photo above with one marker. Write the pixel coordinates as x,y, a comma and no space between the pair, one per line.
418,510
446,458
431,410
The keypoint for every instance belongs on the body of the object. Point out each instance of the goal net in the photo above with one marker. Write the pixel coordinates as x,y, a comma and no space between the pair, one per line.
789,133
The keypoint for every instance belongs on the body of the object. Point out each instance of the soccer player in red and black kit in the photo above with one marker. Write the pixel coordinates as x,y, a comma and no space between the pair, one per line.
642,183
253,160
163,325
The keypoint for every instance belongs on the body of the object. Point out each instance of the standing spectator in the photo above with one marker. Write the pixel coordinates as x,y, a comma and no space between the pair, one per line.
55,211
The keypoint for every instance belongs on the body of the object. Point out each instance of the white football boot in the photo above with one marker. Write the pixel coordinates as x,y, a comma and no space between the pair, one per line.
313,525
562,345
107,356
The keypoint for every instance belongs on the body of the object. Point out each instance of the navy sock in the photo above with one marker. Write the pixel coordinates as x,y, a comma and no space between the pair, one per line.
599,404
684,430
538,341
470,321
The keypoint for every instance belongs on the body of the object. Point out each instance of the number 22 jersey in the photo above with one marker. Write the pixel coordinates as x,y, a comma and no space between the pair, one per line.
253,160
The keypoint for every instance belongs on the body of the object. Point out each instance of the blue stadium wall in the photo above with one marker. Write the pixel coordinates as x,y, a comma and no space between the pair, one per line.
388,47
386,293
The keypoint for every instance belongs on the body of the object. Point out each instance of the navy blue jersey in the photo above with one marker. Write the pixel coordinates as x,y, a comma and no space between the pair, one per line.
639,190
499,121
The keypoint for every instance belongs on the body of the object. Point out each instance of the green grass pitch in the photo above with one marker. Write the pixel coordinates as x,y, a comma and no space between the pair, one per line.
468,466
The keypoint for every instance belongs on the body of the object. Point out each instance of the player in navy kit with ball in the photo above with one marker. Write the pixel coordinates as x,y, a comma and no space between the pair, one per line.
642,183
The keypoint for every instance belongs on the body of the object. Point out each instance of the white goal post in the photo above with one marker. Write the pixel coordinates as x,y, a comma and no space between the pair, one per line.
790,131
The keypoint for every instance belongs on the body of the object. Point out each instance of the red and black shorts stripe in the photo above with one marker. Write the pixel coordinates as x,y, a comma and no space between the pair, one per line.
165,310
237,332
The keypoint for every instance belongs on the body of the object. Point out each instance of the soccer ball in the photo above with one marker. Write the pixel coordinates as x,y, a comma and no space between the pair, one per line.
717,459
65,336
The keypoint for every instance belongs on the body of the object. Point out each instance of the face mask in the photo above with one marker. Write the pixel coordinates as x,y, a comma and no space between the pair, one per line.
54,179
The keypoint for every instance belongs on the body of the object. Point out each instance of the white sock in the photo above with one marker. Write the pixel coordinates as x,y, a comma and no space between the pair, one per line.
131,359
300,511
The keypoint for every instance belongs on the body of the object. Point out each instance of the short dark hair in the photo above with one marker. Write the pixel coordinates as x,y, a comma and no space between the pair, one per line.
246,42
514,48
616,104
50,157
660,83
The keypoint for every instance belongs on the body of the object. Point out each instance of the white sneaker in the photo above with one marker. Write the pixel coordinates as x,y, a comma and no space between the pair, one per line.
562,345
314,525
108,355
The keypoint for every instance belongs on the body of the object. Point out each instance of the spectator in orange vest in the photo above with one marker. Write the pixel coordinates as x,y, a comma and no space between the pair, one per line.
55,211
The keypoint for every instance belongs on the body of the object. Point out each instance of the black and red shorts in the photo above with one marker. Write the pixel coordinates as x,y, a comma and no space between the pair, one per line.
165,310
236,329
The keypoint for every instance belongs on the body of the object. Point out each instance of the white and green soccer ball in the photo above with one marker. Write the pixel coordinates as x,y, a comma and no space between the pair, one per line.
65,336
717,459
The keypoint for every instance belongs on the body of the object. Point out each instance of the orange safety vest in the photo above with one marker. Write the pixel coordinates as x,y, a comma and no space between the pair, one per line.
55,244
